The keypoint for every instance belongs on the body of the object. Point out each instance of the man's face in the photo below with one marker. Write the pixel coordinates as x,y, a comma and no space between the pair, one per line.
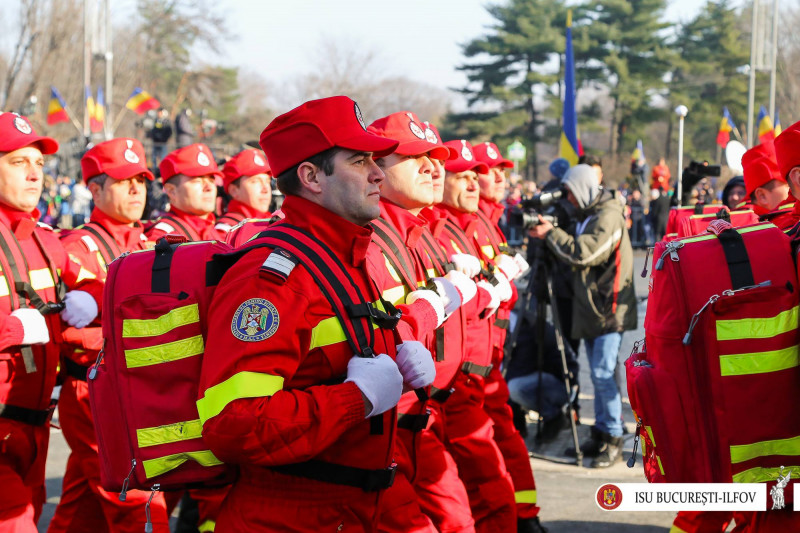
794,181
493,184
196,196
122,200
437,178
21,178
736,196
599,171
255,191
408,180
353,191
461,191
772,197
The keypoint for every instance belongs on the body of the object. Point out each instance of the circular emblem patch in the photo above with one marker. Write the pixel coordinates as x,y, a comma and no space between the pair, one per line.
430,136
490,151
609,497
358,116
202,159
466,154
22,125
258,161
255,320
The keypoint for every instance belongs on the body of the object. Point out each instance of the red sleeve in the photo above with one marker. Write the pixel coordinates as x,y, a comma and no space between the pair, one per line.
11,332
260,419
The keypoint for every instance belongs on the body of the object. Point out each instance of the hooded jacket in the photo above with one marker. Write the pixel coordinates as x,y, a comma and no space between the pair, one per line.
602,262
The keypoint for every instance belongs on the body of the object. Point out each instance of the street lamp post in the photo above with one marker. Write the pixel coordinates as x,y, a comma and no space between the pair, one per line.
681,111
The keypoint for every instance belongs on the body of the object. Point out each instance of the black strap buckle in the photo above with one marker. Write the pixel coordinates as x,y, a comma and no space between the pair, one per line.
384,319
441,395
413,423
502,323
380,479
75,370
478,370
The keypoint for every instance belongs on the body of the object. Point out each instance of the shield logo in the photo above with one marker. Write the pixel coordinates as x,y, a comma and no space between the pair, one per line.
22,125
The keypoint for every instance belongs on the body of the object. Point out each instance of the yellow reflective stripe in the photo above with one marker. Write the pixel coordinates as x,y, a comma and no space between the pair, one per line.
488,251
525,496
760,475
83,274
329,330
390,268
745,452
181,316
241,385
758,328
660,466
164,353
650,432
169,433
162,465
42,279
740,230
455,247
431,273
743,364
676,529
207,526
395,295
3,286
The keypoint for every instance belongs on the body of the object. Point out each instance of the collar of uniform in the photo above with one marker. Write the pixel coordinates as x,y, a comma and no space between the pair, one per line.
199,223
409,226
21,222
235,206
348,240
758,210
462,218
491,209
128,238
435,219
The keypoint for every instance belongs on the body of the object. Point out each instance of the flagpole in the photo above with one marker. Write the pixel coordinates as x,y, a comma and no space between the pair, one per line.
119,120
75,122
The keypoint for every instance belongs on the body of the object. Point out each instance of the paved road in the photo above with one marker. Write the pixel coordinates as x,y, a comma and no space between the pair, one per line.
566,492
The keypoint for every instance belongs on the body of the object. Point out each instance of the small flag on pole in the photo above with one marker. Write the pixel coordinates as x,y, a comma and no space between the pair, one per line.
97,116
726,126
569,147
56,109
141,102
778,128
638,153
766,132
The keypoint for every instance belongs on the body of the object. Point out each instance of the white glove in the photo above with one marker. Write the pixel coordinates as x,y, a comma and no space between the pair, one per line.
506,264
34,326
80,309
451,298
379,379
494,303
469,265
464,285
433,299
503,287
416,364
521,263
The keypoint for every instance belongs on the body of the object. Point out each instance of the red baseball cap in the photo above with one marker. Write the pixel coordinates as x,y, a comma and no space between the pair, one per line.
193,161
465,160
760,167
245,163
489,153
316,126
432,134
121,159
16,132
787,149
410,132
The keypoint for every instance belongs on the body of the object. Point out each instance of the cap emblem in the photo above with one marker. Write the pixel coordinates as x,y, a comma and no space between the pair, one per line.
258,161
359,117
414,127
430,135
490,151
130,155
466,154
22,125
202,158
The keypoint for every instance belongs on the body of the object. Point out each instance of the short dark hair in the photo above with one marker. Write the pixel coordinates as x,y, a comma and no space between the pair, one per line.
591,160
100,179
289,183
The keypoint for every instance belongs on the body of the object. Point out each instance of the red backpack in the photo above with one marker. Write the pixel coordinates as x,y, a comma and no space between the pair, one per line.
677,214
697,224
715,386
144,386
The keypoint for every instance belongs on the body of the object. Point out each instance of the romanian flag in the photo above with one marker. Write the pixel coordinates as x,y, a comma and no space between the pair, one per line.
569,147
97,113
765,130
726,126
141,102
89,103
57,108
778,128
638,153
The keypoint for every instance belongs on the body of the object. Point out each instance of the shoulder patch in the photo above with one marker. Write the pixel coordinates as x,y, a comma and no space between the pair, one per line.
280,263
255,320
45,226
163,226
89,243
222,227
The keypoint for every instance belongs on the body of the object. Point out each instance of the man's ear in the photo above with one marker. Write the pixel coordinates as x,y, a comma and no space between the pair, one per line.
94,188
309,176
169,190
793,178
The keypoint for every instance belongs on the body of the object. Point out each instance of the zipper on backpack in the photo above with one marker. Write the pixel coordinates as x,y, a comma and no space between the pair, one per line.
650,250
632,460
687,339
100,355
671,249
148,524
123,494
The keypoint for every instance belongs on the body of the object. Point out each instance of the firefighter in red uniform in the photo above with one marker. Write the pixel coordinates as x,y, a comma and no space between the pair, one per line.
188,175
115,172
247,179
36,271
468,428
495,249
766,188
315,452
407,190
787,154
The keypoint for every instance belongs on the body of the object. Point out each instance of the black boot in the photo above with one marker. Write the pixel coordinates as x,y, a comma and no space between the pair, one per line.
610,452
551,428
530,525
591,447
520,422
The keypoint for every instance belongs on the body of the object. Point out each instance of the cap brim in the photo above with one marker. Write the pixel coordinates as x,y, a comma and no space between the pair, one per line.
47,145
463,166
379,146
199,171
505,163
128,171
436,151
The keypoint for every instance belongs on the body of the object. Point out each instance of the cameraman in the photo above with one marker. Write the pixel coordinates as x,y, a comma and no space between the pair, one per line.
601,257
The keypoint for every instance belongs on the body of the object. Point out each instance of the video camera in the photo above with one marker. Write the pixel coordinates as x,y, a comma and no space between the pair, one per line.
526,213
692,175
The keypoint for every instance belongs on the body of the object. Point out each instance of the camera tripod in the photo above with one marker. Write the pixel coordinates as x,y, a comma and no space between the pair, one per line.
541,280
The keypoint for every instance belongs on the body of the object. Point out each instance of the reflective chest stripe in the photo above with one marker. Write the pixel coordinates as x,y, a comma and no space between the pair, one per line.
329,331
488,251
395,295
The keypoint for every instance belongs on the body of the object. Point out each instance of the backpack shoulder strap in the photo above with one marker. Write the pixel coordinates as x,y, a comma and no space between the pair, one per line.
101,236
391,244
187,232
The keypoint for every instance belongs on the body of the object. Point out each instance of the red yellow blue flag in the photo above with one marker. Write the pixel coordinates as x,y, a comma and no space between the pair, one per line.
726,126
766,132
97,114
569,147
57,108
778,128
141,101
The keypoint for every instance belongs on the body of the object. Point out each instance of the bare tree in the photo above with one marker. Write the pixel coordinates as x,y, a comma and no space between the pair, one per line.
28,31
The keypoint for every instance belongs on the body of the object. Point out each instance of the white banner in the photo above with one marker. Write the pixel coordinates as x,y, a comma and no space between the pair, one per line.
682,497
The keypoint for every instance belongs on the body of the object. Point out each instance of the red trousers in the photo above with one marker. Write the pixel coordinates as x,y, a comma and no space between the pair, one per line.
23,451
85,506
511,443
470,440
422,457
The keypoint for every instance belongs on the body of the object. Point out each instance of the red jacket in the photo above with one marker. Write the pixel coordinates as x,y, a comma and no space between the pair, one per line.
82,345
17,386
238,211
282,401
193,227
